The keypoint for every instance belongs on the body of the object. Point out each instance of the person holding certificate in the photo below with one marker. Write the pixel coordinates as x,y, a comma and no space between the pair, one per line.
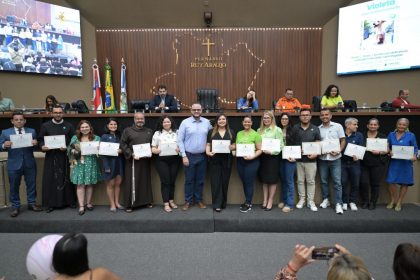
248,165
350,166
220,143
137,184
112,166
306,132
272,143
57,190
330,162
84,171
18,141
164,144
287,166
373,166
400,171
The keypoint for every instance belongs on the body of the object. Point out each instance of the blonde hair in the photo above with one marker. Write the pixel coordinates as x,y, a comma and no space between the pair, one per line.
348,267
273,121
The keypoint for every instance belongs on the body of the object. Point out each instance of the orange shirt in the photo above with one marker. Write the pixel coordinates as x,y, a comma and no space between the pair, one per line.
288,105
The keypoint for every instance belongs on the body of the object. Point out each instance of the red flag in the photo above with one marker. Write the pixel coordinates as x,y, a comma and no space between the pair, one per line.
96,97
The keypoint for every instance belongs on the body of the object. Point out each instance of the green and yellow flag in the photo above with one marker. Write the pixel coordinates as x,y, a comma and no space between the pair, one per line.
109,91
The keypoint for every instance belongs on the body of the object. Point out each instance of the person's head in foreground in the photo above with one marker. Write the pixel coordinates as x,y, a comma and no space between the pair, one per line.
406,264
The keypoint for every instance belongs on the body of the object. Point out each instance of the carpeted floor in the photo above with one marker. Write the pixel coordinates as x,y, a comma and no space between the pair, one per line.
241,256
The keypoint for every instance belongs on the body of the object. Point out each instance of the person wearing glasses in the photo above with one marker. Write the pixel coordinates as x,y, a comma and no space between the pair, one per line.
192,140
57,191
163,101
288,103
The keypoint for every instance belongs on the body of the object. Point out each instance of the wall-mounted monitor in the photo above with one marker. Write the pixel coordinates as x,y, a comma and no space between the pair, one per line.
40,38
381,35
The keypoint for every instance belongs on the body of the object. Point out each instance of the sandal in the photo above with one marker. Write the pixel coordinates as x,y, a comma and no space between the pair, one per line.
173,205
119,207
81,210
114,210
89,207
167,208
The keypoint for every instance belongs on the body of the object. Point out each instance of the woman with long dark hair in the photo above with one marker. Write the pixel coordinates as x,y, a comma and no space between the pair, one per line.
50,102
113,166
164,145
84,168
220,164
332,99
248,103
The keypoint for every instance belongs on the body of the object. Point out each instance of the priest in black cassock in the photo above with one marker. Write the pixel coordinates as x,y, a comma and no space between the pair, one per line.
57,190
137,190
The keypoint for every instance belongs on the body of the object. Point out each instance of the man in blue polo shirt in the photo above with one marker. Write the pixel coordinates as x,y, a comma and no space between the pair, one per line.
192,138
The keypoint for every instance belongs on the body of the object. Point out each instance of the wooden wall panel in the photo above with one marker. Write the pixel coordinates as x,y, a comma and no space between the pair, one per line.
267,60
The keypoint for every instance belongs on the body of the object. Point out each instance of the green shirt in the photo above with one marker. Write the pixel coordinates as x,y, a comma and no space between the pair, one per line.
6,104
332,101
273,133
251,137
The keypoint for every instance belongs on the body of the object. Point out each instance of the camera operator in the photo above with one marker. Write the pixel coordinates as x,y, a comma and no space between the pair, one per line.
343,266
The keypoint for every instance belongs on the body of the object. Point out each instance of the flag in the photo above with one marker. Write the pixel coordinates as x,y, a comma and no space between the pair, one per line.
96,97
109,91
123,96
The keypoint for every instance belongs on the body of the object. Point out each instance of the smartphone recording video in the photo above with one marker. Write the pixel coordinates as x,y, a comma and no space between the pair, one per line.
324,253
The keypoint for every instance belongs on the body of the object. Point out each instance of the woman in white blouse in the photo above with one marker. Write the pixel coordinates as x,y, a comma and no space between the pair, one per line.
164,144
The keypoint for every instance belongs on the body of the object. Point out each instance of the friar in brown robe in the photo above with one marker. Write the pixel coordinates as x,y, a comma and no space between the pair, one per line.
137,190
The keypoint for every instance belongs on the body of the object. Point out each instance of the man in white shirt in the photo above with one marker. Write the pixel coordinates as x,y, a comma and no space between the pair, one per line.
330,163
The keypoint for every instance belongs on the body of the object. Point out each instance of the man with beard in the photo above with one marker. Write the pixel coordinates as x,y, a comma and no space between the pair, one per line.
138,189
57,190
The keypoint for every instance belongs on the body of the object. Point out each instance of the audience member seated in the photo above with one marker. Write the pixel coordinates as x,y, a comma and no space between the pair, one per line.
344,266
288,103
70,260
50,102
163,101
248,103
6,104
406,264
332,99
401,102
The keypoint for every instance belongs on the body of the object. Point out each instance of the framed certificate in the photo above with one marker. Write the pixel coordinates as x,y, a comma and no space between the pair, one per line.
89,148
244,150
402,152
109,149
220,146
55,142
311,148
330,145
377,144
291,152
168,149
142,150
271,145
21,140
355,150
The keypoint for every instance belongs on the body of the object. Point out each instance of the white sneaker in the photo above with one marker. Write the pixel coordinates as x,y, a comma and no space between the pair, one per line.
338,209
353,206
301,203
325,203
312,206
345,206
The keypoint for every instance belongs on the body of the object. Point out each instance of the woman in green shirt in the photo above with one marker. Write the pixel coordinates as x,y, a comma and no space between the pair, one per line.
332,98
269,161
248,165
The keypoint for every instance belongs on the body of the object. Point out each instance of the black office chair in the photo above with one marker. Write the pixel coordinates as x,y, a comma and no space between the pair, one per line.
350,106
80,106
316,103
209,99
65,106
140,105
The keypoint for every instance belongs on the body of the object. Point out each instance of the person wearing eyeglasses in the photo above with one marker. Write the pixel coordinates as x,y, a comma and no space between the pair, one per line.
57,190
192,140
288,103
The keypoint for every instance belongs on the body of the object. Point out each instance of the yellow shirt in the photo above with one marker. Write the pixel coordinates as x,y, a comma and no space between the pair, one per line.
331,101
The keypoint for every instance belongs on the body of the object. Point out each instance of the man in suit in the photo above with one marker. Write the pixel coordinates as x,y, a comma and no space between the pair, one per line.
20,162
163,101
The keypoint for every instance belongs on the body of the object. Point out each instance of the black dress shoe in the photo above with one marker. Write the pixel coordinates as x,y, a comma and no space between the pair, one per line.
49,209
372,206
268,209
263,207
34,208
81,211
73,205
365,205
89,207
14,212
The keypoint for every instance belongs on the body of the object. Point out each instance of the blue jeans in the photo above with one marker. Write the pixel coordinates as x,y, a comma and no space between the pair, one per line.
247,170
325,168
15,176
350,171
287,177
195,174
